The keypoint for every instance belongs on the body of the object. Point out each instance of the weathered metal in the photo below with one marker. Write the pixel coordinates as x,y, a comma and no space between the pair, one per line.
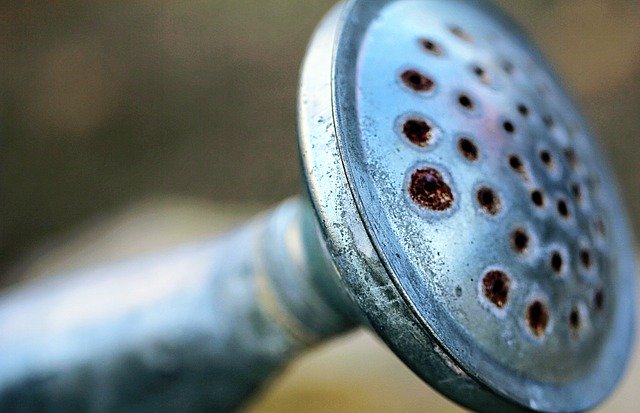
456,203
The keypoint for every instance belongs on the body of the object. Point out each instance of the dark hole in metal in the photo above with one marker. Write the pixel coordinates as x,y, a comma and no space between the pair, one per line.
571,157
468,149
417,131
563,208
481,74
598,299
585,258
576,190
417,81
574,320
546,159
508,126
496,287
537,198
556,261
428,189
431,46
537,318
523,109
488,200
520,240
466,102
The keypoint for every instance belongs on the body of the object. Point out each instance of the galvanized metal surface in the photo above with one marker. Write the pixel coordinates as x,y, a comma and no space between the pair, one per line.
411,80
198,328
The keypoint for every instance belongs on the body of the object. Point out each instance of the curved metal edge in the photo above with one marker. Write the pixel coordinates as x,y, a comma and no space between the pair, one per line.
360,268
578,395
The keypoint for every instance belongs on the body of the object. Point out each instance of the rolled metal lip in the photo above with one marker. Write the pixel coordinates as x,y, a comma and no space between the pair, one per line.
379,274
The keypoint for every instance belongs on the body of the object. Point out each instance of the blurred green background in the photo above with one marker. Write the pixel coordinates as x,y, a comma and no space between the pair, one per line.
107,103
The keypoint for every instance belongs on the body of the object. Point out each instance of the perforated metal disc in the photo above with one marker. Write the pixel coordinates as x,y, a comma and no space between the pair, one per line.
483,195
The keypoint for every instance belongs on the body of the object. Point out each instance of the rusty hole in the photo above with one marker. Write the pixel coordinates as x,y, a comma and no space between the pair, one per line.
468,149
417,81
418,132
598,299
523,109
489,200
516,164
431,46
466,102
461,34
563,209
575,321
481,74
508,126
520,240
585,258
537,318
576,191
537,198
428,189
556,261
546,159
496,287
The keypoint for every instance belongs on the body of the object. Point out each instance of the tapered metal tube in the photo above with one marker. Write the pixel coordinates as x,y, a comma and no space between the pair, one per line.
200,327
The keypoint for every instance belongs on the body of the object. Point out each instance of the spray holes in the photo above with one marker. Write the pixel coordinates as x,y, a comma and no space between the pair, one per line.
431,47
489,200
496,285
466,102
520,240
516,164
461,34
585,258
598,299
481,74
546,159
429,190
468,149
575,321
418,132
563,209
537,197
556,262
537,316
509,127
523,109
417,81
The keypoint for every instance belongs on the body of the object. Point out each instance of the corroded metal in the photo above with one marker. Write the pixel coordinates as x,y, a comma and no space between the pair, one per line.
456,203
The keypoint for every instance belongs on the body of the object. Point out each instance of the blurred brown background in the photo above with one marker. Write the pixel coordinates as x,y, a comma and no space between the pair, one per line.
156,122
106,103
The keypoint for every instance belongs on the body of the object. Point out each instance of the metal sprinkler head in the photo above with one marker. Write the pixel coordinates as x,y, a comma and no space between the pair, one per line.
465,213
466,204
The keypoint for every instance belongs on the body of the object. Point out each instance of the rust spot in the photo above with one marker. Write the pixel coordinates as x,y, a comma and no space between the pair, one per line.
468,149
431,47
417,81
516,164
496,287
488,200
428,189
520,240
537,317
418,132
